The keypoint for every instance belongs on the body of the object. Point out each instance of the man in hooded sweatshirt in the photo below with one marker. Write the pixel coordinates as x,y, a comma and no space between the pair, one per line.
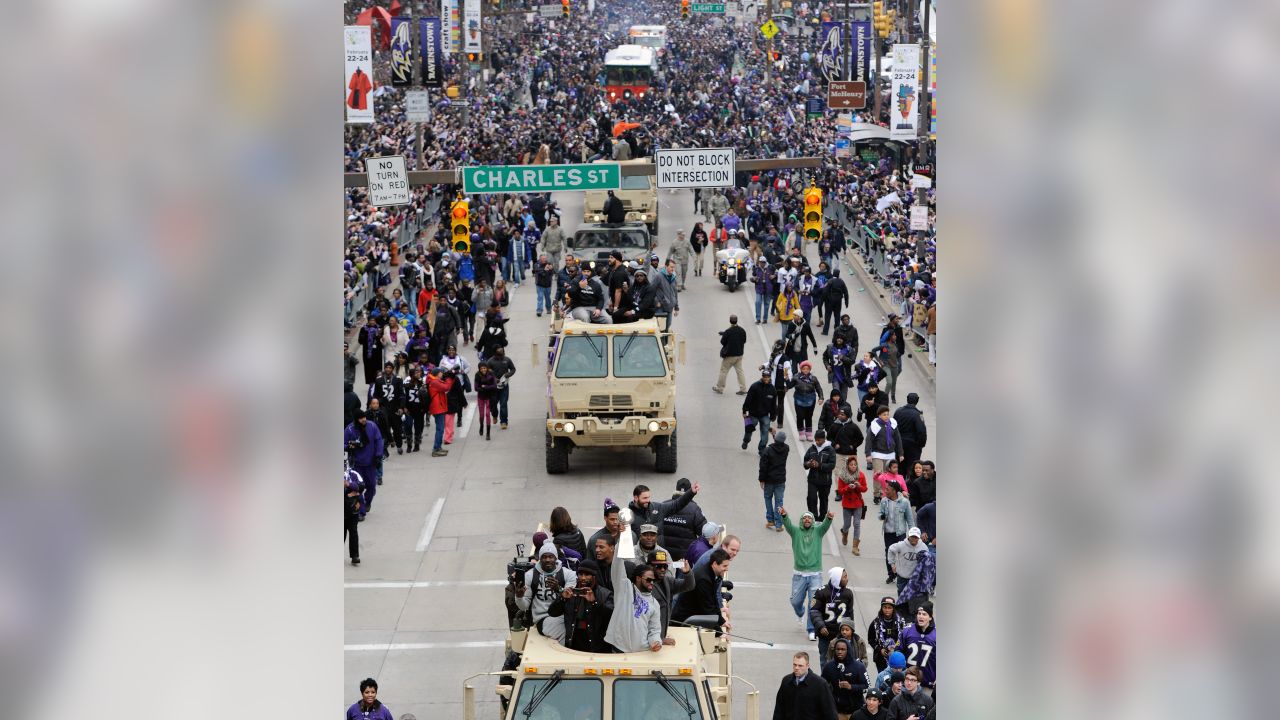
819,460
806,552
541,586
847,677
636,624
832,603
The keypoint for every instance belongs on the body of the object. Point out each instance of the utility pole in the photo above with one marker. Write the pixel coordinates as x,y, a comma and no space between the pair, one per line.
768,57
875,89
926,97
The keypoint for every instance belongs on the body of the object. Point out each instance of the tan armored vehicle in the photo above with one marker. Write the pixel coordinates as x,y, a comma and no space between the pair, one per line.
639,195
611,386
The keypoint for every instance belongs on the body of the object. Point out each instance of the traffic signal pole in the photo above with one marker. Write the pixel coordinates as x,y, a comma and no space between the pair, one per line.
768,53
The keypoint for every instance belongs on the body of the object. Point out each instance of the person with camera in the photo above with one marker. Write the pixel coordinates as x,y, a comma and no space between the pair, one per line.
540,586
363,442
504,367
439,382
586,608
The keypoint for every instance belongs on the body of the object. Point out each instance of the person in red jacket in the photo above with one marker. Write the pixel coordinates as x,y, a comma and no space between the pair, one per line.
439,381
850,494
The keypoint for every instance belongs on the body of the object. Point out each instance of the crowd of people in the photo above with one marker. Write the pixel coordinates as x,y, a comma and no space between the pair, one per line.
544,103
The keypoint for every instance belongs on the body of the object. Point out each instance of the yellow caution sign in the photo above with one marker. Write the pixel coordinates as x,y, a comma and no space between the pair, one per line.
769,29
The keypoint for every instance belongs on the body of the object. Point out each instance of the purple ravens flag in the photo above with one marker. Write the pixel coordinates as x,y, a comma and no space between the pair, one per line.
831,52
401,52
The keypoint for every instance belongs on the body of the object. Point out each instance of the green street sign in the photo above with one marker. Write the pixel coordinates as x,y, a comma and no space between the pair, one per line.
540,178
707,8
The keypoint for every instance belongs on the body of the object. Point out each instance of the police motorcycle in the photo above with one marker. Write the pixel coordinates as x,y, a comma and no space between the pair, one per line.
733,263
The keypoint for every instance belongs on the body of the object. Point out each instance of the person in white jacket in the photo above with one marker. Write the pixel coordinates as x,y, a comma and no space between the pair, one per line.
636,624
541,586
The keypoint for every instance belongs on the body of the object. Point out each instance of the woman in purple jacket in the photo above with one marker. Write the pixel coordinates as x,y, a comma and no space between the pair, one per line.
363,442
369,707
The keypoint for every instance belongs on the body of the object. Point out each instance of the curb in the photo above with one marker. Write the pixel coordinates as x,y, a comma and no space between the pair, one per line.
927,371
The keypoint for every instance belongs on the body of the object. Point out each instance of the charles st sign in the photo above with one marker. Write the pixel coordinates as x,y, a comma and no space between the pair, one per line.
540,178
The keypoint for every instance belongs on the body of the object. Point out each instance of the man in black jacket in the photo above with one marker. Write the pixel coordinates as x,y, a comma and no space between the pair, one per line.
586,609
757,409
912,701
704,598
924,489
350,404
733,342
646,512
835,296
614,212
914,433
803,695
773,478
847,331
682,527
666,587
820,460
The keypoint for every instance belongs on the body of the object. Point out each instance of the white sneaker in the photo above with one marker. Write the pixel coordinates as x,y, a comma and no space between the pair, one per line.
813,636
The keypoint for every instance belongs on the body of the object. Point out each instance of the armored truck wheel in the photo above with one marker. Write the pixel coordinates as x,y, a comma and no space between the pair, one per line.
664,454
557,455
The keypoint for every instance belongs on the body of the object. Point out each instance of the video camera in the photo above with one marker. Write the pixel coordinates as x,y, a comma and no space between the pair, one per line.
518,566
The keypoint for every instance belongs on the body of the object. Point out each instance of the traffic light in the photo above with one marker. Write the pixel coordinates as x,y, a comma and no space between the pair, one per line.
882,21
564,8
812,214
460,222
473,57
684,8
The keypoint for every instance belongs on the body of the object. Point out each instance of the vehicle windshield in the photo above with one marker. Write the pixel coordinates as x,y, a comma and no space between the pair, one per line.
648,700
627,75
570,699
582,356
635,182
610,238
637,356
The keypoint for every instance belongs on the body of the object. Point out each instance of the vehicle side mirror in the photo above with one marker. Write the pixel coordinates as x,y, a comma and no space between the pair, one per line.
680,350
534,348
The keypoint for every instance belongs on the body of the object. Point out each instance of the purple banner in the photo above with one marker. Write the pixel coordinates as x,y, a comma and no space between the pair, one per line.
432,53
831,52
401,52
861,33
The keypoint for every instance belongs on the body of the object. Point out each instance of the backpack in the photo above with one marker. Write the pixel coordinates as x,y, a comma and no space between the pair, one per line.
533,590
409,275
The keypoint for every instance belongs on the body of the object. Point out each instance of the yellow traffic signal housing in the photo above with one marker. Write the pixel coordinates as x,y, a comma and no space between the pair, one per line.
473,57
564,8
460,224
684,8
812,214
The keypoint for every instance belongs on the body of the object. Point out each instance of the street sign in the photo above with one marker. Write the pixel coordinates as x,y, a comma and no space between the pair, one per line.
769,29
707,8
919,217
540,178
388,180
842,147
696,168
549,11
814,107
417,106
846,95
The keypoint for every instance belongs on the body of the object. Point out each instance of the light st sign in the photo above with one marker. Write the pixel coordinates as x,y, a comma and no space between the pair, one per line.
540,178
696,168
388,181
717,8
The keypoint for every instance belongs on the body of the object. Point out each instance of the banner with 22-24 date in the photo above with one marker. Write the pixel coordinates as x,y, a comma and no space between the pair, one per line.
358,44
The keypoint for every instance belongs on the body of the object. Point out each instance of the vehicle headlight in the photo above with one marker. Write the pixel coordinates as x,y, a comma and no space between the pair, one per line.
613,94
653,426
569,427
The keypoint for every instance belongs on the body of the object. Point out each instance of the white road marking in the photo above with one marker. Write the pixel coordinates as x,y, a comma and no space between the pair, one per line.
467,416
384,647
833,548
429,527
419,584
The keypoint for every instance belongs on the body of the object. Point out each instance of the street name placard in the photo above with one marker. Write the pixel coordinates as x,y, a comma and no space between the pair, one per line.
707,8
540,178
696,168
417,106
388,180
847,95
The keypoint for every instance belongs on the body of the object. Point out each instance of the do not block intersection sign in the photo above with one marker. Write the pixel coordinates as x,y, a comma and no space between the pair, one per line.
696,168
